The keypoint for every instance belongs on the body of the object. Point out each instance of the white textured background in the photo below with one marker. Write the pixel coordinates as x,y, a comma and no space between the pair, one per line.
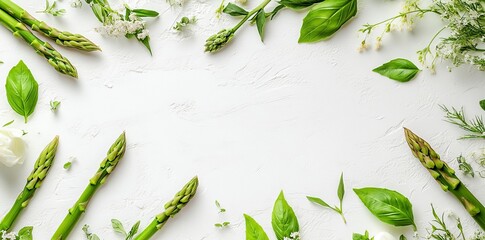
249,121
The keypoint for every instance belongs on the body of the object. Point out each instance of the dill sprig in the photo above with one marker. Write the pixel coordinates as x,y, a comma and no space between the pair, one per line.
475,126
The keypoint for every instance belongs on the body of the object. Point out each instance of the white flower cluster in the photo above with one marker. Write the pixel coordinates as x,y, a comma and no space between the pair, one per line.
293,236
465,20
8,236
118,27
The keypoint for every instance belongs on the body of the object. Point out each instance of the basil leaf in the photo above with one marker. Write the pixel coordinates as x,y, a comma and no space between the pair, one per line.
283,219
260,22
326,18
318,201
118,227
482,104
399,69
22,90
388,206
358,236
234,10
341,189
254,231
133,231
144,13
299,4
25,233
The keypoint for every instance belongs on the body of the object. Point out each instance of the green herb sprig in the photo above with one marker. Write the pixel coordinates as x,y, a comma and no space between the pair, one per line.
475,127
118,227
88,234
323,20
52,9
184,22
340,194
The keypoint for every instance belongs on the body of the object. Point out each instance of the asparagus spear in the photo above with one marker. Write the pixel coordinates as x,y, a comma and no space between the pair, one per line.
44,49
66,39
445,176
34,181
114,155
171,208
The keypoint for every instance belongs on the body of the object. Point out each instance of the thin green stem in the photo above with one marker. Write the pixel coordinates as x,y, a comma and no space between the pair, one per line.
250,14
401,15
18,206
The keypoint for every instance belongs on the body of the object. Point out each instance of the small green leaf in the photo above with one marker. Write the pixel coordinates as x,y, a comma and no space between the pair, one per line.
118,227
318,201
254,231
22,90
388,206
326,18
299,4
234,10
402,237
358,236
67,165
25,233
482,104
133,230
341,189
54,105
399,69
284,220
260,22
146,43
8,124
145,13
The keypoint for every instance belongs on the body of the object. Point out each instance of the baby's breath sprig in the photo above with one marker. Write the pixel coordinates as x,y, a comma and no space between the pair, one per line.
129,25
464,21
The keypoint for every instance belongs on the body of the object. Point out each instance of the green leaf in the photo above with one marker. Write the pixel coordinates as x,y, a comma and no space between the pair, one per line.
22,90
254,231
358,236
9,123
299,4
146,43
283,219
118,227
260,22
54,105
341,189
399,69
145,13
234,10
133,231
326,18
25,233
318,201
482,104
67,165
388,206
402,237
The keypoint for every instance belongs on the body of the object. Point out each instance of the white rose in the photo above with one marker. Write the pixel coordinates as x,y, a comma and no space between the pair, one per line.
12,147
384,236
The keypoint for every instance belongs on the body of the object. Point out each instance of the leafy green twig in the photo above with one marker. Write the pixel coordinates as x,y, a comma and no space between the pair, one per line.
118,227
52,9
88,234
340,194
457,117
184,22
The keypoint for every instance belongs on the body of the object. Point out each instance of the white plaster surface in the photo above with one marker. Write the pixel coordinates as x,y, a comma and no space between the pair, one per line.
250,121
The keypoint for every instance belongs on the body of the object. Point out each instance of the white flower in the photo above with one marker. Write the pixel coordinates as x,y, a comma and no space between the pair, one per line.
8,236
384,236
76,4
143,34
12,147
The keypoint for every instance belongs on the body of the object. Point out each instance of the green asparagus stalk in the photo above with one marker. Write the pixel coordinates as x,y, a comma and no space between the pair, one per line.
34,181
44,49
63,38
114,155
171,209
445,176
